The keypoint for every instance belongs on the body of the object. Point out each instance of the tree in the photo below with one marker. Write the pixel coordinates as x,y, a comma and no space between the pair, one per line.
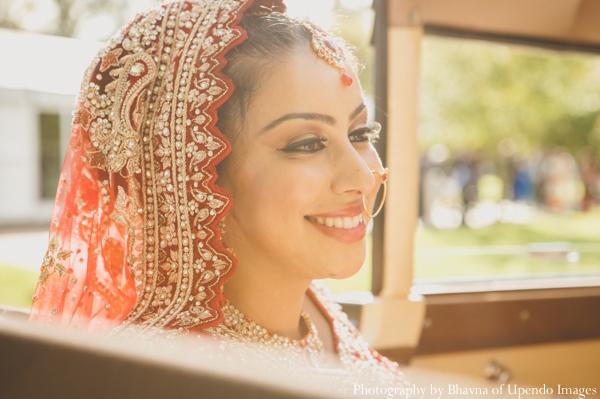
475,94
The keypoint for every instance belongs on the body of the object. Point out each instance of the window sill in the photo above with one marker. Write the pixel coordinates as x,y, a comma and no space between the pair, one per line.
567,284
471,315
477,315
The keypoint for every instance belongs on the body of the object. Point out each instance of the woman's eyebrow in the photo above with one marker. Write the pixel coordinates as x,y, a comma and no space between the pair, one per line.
327,119
310,116
357,111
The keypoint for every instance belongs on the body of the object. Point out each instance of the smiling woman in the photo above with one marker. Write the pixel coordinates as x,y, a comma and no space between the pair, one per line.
220,161
304,157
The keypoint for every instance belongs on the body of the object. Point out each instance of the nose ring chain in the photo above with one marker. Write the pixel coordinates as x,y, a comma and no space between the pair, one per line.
384,177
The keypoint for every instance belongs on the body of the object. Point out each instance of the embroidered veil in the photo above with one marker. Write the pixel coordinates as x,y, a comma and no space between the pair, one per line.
134,236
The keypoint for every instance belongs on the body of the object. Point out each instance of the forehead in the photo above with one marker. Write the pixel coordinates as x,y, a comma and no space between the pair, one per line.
302,82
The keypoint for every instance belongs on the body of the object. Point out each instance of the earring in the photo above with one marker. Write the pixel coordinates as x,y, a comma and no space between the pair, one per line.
384,177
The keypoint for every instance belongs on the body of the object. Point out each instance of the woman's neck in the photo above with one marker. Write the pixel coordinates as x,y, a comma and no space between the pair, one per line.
272,301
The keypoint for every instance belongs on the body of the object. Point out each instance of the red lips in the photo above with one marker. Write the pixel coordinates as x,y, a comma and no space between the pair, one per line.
345,225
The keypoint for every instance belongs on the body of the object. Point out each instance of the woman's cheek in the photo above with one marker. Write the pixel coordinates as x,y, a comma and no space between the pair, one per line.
371,158
373,161
268,192
291,197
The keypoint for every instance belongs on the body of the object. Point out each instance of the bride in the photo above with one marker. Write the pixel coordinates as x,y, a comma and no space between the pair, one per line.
220,161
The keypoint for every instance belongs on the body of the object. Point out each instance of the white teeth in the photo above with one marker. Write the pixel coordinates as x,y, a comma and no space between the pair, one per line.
340,223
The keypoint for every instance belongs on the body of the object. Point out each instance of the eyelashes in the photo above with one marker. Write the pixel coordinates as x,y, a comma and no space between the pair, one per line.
369,133
310,145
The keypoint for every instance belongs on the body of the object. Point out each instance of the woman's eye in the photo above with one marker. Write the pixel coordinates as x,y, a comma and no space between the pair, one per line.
310,145
367,133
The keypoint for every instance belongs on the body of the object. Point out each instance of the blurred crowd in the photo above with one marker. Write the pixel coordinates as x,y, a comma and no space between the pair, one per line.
472,189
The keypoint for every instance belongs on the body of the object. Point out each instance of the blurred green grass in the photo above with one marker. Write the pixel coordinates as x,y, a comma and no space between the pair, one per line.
577,228
500,266
16,286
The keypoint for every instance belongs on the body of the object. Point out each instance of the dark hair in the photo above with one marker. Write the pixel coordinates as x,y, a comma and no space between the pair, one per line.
270,39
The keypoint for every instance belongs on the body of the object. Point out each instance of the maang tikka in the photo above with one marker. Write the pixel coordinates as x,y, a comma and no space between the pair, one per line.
328,50
322,43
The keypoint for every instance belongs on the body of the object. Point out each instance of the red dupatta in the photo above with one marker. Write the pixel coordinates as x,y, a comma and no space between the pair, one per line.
134,242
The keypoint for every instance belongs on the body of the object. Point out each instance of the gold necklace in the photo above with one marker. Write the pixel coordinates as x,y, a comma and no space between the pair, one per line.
236,325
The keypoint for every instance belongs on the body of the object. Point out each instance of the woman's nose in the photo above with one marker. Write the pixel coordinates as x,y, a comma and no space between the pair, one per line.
353,172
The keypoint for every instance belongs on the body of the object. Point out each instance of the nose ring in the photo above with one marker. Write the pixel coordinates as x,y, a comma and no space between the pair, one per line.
384,177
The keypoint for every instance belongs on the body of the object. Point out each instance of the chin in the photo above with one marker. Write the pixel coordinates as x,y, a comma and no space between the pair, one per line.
345,266
346,273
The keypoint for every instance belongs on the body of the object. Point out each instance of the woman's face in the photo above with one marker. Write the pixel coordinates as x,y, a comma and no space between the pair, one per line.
299,171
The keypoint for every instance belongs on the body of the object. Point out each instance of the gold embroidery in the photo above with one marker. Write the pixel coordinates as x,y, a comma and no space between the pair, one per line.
128,213
127,210
52,261
83,117
149,114
170,205
115,133
110,59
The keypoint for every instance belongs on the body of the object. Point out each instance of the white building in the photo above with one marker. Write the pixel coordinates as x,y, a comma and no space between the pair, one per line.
39,80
